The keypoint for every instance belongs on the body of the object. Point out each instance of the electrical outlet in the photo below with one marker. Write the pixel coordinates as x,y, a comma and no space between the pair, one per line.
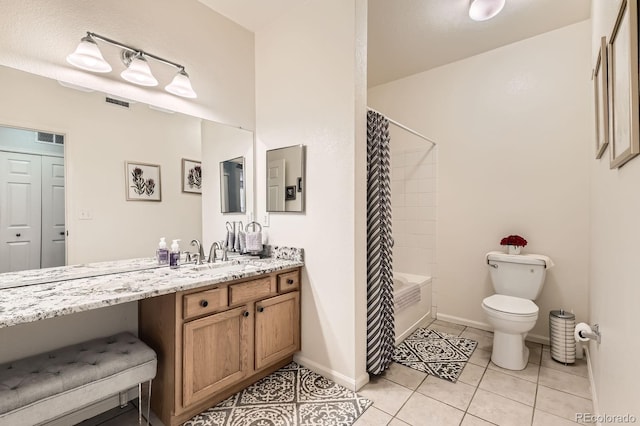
265,221
86,214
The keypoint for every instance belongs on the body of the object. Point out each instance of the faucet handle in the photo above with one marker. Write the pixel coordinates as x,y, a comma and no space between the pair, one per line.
187,257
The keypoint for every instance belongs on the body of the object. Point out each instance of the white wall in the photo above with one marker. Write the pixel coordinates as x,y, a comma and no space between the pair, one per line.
514,136
614,267
36,36
310,89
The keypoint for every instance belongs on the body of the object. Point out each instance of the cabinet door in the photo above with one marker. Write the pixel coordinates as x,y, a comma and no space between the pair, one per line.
215,353
277,328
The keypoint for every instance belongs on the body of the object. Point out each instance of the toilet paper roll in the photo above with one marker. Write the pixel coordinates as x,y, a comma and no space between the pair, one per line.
584,328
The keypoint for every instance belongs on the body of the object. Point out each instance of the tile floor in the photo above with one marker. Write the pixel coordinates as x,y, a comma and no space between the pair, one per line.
544,393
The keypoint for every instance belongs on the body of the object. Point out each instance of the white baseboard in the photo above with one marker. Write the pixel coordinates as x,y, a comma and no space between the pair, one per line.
536,338
339,378
592,383
464,321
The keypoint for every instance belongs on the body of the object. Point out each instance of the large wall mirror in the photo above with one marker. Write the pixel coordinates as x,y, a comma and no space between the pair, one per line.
232,192
98,138
285,179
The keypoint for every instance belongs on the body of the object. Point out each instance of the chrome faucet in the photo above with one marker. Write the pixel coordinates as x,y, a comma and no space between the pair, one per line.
200,251
212,251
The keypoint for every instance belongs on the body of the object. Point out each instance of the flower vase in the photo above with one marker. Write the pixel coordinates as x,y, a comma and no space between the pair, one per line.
514,249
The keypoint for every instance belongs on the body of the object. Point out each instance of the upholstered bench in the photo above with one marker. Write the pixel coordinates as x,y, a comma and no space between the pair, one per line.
43,387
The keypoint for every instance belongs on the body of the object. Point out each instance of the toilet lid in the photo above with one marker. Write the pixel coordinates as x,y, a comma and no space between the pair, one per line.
510,304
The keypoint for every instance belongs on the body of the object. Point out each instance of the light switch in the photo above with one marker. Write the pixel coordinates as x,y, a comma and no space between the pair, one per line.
86,214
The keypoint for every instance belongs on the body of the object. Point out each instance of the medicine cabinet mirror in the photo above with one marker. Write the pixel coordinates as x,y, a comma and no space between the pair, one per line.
285,179
232,192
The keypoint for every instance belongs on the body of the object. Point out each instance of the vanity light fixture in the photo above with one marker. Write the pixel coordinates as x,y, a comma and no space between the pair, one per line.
88,57
482,10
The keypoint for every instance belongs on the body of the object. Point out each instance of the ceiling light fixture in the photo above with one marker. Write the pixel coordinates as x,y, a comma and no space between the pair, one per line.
87,56
482,10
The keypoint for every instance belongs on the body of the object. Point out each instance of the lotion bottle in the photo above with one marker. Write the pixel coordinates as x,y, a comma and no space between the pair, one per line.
174,256
162,254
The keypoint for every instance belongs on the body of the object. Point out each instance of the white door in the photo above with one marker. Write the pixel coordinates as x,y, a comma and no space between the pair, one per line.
19,211
275,183
53,230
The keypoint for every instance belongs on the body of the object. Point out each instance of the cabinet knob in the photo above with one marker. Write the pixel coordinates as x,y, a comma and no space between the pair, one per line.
289,281
260,308
62,233
17,235
245,314
204,303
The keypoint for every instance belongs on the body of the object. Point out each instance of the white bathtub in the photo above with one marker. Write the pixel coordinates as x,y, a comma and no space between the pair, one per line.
416,315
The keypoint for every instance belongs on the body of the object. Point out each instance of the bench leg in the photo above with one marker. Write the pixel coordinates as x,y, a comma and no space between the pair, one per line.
148,403
124,400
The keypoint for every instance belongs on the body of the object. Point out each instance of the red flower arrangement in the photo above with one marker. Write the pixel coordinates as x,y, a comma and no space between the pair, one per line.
513,240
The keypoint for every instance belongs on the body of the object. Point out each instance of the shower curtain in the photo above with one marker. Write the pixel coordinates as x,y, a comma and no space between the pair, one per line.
380,315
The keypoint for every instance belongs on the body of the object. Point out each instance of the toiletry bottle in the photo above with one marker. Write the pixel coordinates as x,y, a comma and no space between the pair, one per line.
162,254
174,256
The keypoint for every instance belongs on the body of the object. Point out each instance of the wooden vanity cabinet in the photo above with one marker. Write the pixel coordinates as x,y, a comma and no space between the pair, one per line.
216,340
277,328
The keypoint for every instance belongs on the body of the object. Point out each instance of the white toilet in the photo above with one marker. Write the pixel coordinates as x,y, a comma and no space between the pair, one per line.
517,280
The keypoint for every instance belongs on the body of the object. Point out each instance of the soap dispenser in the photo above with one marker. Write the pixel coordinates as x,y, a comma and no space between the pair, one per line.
174,256
162,254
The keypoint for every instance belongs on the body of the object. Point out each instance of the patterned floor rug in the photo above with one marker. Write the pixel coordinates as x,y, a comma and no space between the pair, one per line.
440,354
291,396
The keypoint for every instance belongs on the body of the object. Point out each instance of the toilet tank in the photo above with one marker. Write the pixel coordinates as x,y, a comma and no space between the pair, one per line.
517,275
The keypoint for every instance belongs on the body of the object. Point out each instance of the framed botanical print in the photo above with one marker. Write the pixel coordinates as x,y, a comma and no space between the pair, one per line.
191,176
142,181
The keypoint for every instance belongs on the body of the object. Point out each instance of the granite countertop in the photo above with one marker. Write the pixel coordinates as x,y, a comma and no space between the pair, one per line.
66,292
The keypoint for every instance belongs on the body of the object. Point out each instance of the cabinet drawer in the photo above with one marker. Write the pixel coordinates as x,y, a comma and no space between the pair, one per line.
251,290
289,281
204,302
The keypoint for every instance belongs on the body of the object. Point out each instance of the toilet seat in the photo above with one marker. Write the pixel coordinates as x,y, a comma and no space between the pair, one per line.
511,305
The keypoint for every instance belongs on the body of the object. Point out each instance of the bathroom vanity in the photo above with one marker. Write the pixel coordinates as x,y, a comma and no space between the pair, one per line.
216,340
216,328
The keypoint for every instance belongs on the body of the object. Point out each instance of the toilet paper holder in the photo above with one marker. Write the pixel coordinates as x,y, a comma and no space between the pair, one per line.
594,335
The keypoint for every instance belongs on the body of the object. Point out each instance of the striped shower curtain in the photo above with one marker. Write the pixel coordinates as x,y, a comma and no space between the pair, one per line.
380,316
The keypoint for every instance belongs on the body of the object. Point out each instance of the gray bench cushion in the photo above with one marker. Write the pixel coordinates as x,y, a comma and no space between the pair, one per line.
39,377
